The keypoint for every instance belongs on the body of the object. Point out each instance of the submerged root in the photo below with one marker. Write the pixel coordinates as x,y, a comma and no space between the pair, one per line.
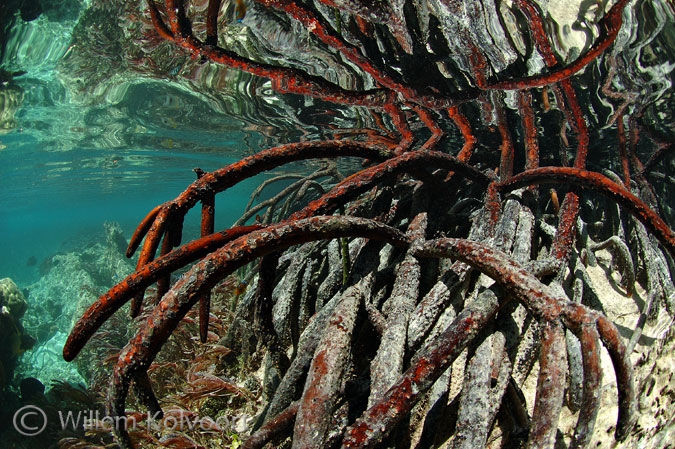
420,315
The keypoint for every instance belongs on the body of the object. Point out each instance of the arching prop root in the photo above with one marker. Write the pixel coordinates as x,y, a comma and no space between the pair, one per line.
544,303
151,271
378,325
224,252
167,219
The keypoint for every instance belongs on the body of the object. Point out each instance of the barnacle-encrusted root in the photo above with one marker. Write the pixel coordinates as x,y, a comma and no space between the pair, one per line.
479,399
623,369
425,368
590,402
321,396
549,398
388,363
548,305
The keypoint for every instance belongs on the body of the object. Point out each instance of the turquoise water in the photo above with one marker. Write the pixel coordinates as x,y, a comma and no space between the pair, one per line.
77,155
51,198
78,151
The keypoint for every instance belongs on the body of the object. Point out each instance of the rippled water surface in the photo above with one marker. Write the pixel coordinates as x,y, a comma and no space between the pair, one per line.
74,159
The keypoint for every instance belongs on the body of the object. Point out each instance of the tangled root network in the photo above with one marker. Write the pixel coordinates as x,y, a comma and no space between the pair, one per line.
406,303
